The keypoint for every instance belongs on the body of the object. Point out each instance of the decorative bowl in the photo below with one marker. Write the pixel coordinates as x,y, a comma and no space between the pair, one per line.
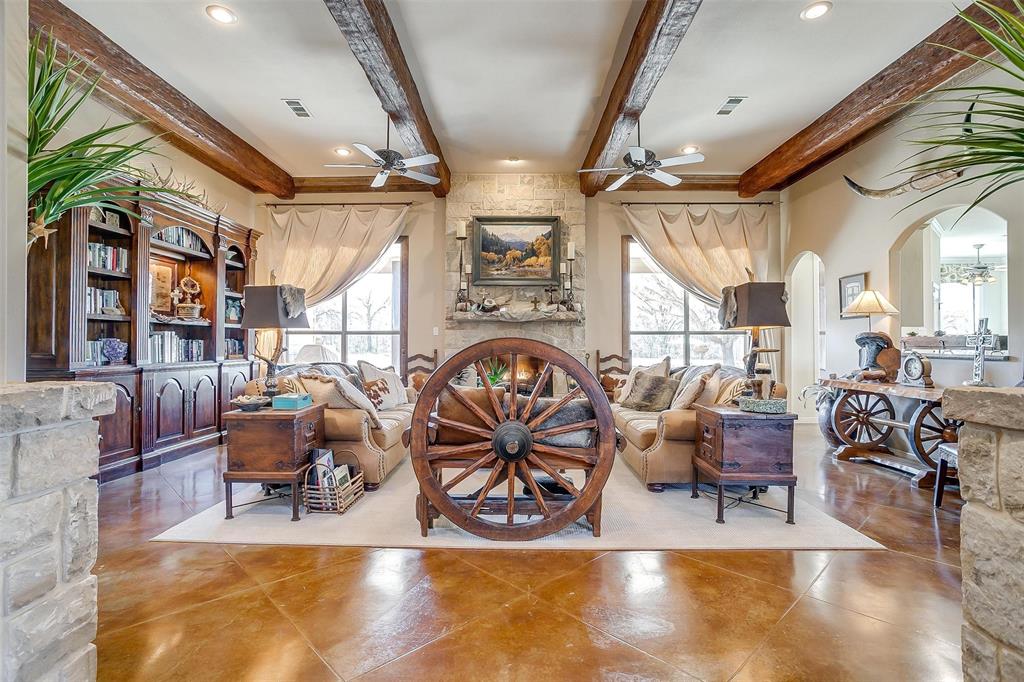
250,403
114,350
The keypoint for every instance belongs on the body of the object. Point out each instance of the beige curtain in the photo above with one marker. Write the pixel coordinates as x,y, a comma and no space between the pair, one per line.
324,249
704,249
701,248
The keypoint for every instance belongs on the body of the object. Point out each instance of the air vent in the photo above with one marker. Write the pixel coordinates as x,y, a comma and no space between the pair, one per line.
731,104
298,108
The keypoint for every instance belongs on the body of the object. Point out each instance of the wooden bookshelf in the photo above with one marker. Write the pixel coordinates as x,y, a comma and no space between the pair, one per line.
164,409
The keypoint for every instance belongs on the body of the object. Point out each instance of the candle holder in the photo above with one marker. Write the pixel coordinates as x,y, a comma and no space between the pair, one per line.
568,298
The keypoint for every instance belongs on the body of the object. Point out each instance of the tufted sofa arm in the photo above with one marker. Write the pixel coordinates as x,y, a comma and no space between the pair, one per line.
346,424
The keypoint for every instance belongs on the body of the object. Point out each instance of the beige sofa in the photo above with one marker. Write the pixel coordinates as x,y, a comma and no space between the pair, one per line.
374,450
659,445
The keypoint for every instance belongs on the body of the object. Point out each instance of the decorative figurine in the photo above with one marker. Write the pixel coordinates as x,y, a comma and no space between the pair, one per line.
190,309
982,341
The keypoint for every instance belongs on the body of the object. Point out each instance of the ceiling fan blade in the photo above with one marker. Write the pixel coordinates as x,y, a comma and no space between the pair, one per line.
369,152
422,177
619,183
637,154
681,160
380,178
422,160
349,165
665,178
601,170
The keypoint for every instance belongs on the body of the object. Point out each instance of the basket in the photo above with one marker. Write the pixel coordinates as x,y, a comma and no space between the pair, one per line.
331,499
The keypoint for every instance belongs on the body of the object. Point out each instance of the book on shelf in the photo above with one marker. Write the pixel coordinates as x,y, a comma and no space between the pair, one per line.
180,236
234,347
97,299
168,347
94,352
108,257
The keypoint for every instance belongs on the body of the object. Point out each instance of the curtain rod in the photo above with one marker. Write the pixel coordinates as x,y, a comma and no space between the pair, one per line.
696,203
336,203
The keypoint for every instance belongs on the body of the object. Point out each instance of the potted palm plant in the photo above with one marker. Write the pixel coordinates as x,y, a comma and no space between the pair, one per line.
993,144
88,171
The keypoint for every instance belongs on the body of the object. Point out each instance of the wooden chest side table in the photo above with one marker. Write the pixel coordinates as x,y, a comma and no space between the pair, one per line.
744,448
271,446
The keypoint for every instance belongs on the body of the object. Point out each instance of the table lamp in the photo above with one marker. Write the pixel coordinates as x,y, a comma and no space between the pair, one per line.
870,302
759,305
274,307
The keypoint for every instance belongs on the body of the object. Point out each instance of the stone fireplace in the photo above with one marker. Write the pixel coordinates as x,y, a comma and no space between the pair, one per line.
515,194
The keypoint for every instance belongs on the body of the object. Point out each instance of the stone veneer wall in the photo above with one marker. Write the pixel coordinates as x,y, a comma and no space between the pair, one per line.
514,194
991,460
48,528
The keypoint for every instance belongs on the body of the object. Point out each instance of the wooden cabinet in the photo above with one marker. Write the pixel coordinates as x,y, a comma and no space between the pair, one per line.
169,414
204,406
233,378
186,408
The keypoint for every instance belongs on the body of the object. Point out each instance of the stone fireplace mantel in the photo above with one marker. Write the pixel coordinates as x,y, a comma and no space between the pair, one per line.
518,316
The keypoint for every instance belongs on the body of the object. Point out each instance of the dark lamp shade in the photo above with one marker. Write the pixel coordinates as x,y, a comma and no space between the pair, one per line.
264,308
761,304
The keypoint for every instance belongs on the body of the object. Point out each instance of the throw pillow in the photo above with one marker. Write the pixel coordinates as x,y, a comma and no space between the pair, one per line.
658,369
338,393
417,379
691,390
449,407
650,393
710,393
390,393
377,391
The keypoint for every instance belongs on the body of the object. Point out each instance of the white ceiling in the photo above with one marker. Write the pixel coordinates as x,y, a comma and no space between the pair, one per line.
524,78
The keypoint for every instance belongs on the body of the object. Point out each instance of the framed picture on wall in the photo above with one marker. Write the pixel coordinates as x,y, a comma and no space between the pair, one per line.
516,251
849,289
163,277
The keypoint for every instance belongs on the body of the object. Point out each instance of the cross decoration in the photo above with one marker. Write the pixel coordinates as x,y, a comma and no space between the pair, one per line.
981,341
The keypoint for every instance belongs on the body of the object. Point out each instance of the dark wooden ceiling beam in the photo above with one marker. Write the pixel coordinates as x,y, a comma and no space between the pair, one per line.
137,92
690,183
660,29
921,69
371,36
357,183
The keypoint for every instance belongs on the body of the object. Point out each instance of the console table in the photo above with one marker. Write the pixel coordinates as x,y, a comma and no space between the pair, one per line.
863,417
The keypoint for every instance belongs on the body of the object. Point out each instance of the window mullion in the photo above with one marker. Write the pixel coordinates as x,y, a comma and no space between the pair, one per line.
344,327
686,328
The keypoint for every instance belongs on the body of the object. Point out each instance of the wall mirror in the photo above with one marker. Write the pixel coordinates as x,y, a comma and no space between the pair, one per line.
952,274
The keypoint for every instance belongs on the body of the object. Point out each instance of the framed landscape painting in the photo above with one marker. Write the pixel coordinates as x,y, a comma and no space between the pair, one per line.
516,251
849,289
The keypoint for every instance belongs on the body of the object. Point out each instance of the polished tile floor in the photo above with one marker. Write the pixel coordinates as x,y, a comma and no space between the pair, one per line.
171,611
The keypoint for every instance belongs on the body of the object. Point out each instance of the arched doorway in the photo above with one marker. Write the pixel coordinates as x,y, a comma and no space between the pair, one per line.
806,346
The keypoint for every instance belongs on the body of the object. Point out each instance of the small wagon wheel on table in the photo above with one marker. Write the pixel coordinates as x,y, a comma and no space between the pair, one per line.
510,445
855,418
928,429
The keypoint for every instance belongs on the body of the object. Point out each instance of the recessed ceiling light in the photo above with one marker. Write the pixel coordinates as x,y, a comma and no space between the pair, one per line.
221,14
341,151
513,159
816,10
690,149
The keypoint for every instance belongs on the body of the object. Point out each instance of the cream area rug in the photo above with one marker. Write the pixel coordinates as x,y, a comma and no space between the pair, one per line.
633,519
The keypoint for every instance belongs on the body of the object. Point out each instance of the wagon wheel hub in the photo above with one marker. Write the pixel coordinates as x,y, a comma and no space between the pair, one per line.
512,441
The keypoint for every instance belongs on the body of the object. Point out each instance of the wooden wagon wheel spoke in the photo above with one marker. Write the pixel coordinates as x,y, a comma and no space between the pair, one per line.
492,481
471,406
584,455
565,428
491,395
510,512
460,426
513,386
442,451
559,479
932,436
469,471
538,389
527,476
552,409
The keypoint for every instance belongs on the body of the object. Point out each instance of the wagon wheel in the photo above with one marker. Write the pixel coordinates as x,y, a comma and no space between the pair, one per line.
508,446
928,430
852,416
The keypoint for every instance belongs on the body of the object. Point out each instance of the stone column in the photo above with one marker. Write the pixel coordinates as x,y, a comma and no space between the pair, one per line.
48,528
991,461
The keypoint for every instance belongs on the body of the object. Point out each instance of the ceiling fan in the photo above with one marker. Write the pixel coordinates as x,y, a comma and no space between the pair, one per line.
979,273
640,161
389,161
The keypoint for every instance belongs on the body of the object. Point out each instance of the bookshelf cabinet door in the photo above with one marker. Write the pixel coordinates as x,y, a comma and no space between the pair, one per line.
203,402
234,377
119,432
171,392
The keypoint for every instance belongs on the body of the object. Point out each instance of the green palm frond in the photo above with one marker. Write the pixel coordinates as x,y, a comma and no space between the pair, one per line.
95,169
989,149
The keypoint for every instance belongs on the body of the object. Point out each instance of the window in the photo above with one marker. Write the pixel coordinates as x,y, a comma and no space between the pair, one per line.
664,319
363,323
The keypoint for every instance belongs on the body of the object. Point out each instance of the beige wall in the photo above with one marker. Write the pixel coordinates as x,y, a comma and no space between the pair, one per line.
425,230
852,234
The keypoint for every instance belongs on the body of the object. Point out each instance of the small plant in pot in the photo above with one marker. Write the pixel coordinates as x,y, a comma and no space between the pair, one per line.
824,397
